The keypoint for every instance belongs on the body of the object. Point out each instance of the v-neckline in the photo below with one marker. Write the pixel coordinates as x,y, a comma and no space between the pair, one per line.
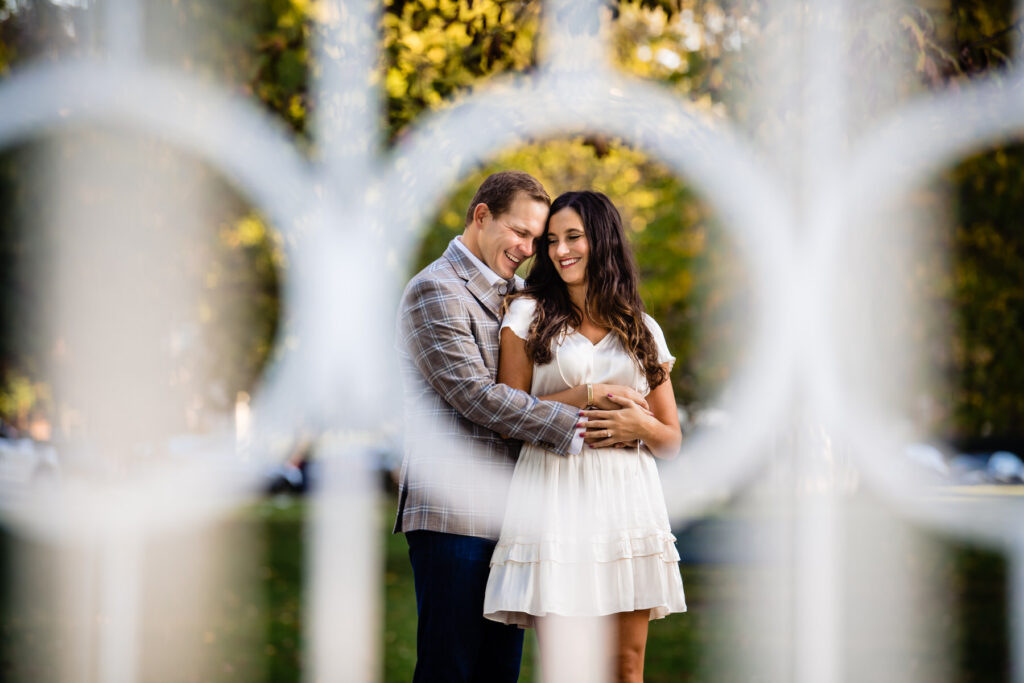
590,341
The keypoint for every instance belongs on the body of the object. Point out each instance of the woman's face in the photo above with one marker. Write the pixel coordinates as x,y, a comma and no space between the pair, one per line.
567,246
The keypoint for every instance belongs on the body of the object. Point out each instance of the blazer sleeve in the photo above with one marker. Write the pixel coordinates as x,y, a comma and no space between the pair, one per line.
438,337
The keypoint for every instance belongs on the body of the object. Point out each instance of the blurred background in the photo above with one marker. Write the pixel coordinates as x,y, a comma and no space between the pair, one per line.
963,264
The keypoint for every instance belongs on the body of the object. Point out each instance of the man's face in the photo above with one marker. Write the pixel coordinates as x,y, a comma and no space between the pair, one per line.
507,239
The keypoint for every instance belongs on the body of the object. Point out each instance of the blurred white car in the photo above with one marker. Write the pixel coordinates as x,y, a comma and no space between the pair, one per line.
24,461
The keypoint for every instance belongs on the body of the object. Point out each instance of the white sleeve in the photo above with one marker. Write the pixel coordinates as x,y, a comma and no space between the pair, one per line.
664,355
519,316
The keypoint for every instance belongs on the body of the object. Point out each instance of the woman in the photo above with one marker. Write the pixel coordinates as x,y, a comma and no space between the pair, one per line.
587,535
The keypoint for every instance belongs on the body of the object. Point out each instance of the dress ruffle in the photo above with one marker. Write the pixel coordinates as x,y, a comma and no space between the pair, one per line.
518,593
566,551
584,535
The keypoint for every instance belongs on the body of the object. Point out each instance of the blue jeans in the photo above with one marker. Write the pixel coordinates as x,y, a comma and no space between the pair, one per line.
454,643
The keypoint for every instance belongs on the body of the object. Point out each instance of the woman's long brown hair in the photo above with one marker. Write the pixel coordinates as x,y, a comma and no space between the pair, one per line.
612,301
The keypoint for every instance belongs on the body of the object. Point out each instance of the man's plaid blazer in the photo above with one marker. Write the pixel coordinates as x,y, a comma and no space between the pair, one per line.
457,467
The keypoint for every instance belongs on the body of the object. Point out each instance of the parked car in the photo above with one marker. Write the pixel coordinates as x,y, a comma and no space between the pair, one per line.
25,462
1000,467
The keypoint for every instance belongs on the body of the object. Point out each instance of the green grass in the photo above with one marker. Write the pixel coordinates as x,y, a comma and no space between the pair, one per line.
400,610
255,633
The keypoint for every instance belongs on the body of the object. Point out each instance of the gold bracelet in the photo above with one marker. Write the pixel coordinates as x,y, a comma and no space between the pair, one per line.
590,394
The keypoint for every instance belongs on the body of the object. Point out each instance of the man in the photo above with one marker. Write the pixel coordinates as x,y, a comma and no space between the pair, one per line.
455,474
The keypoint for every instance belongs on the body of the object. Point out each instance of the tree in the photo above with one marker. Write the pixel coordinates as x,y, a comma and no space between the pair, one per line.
433,50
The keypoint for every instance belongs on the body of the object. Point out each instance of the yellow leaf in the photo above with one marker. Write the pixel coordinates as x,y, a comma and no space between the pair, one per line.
396,84
413,42
295,107
452,219
250,230
643,199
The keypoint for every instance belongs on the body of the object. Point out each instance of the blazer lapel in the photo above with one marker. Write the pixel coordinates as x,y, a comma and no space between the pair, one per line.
476,282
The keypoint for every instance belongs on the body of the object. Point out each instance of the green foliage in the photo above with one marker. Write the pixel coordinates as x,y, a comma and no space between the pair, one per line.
6,56
431,51
988,294
435,49
690,277
981,292
21,302
20,397
240,309
231,266
261,47
692,46
985,33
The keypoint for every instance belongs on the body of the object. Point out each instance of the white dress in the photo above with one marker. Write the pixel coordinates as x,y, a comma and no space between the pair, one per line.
586,534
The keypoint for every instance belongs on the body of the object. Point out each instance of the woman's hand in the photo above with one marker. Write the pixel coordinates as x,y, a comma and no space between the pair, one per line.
627,421
603,394
577,396
659,431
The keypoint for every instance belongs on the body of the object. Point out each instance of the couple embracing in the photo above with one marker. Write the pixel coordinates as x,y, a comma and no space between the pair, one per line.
528,493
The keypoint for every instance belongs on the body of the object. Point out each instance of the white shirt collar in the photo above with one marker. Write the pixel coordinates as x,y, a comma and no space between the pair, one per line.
492,277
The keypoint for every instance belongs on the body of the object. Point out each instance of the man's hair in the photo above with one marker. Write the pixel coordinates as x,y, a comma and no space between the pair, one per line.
500,190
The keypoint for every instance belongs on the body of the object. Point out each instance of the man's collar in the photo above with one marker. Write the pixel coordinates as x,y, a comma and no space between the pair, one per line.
493,278
464,264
